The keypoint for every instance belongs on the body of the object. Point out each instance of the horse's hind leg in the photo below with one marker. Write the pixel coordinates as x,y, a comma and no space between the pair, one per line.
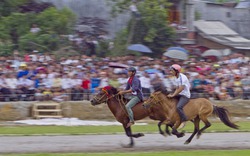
207,124
196,122
175,132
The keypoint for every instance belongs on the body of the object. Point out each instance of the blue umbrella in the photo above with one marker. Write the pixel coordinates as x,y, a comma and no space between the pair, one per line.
178,49
177,52
139,48
152,71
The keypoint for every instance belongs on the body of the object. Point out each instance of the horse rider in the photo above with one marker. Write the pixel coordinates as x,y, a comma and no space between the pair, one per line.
134,87
182,90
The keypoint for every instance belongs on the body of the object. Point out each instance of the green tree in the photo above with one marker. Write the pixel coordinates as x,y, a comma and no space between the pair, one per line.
9,6
15,28
58,21
150,29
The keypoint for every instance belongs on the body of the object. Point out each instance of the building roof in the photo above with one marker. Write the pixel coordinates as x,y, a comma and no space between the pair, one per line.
220,33
243,4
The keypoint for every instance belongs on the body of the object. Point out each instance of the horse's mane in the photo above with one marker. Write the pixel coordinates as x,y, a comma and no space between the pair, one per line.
113,91
165,92
162,90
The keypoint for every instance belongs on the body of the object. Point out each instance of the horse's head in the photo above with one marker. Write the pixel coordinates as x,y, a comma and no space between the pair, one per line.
103,95
152,100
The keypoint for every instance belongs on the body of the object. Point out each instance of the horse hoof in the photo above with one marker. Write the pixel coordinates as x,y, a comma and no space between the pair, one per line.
127,146
198,136
181,135
186,142
141,134
164,134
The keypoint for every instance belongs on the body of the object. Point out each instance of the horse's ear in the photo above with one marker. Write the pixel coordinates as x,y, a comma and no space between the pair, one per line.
165,91
157,92
158,88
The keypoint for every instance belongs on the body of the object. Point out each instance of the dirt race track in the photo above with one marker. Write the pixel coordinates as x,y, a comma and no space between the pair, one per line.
112,143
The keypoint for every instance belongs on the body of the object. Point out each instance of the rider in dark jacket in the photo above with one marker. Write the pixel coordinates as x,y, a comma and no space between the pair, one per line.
133,87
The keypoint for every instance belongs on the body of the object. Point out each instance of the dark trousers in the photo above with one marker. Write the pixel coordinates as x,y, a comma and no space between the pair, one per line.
181,103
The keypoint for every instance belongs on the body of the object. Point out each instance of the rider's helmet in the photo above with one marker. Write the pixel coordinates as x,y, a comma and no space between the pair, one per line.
176,67
132,69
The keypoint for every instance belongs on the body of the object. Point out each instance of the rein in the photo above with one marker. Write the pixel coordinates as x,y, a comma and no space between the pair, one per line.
156,99
120,100
122,104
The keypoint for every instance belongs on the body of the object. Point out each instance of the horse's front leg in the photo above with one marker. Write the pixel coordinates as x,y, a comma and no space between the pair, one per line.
167,128
167,123
131,136
160,130
129,132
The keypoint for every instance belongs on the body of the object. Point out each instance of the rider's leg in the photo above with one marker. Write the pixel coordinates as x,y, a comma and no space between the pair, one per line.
181,103
129,106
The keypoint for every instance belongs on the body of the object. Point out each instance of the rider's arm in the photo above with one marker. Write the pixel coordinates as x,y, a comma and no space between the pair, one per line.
178,90
127,91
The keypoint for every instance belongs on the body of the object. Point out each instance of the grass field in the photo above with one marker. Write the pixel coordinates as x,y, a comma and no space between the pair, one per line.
79,130
168,153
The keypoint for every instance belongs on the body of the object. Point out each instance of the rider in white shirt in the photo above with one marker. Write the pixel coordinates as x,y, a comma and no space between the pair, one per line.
182,90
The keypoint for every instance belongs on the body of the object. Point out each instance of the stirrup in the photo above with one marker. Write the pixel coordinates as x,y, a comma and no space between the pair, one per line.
130,124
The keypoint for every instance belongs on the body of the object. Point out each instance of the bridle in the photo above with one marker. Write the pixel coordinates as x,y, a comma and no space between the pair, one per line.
106,94
120,100
155,99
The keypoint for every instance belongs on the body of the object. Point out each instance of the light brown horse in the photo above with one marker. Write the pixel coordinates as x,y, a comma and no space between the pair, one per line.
196,110
116,104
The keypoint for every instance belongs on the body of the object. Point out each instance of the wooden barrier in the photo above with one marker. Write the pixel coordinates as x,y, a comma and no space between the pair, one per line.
46,110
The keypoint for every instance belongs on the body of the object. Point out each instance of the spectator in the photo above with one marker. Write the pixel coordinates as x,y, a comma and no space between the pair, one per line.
95,82
197,86
23,70
113,81
238,86
39,96
246,87
4,90
47,94
76,91
104,80
86,84
157,83
145,84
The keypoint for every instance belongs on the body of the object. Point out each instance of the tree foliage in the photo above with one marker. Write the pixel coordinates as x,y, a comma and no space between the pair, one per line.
15,26
151,28
9,6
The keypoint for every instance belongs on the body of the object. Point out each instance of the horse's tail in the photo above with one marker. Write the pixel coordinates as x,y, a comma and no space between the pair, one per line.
222,113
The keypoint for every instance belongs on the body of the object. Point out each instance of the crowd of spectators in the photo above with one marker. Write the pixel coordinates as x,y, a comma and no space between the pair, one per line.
42,77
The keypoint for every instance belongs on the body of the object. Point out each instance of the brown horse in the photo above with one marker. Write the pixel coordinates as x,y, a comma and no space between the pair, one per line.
116,104
196,110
